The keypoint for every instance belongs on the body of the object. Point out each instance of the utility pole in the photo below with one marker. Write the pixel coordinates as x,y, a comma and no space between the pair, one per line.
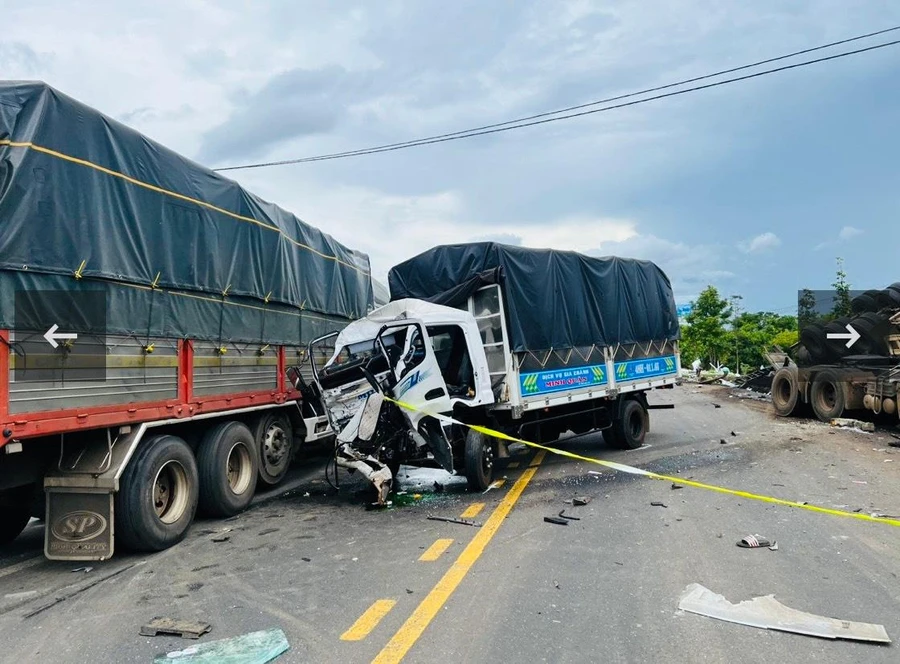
735,308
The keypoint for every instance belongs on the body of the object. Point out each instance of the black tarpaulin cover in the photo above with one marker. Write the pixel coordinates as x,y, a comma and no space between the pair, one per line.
80,192
554,299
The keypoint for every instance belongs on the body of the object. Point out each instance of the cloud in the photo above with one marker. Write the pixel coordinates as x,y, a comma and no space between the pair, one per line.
760,243
848,232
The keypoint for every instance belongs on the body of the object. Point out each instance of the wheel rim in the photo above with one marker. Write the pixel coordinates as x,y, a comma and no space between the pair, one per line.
783,390
170,492
635,425
828,395
240,469
487,459
274,449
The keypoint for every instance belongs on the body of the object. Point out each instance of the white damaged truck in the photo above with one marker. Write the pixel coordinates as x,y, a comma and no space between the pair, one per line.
529,342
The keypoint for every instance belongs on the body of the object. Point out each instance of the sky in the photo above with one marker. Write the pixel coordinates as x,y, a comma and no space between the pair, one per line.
754,187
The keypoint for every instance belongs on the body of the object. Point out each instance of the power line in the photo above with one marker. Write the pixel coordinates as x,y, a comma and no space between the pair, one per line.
544,118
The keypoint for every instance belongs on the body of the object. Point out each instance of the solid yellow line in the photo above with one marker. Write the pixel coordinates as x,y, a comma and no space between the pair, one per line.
472,511
173,194
514,464
435,550
538,458
369,620
498,484
415,625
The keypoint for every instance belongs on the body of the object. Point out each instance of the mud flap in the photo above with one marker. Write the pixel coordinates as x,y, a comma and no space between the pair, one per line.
79,524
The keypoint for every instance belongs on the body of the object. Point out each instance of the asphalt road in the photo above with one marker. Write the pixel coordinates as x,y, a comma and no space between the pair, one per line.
348,585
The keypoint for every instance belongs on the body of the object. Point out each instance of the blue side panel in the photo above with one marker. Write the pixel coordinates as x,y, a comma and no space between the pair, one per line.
650,367
560,380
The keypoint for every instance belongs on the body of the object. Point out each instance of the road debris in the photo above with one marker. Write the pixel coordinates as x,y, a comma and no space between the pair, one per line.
733,433
716,405
186,629
62,598
894,443
306,560
463,522
774,546
722,441
253,648
556,520
658,504
848,423
768,613
86,570
221,538
755,542
562,515
676,486
581,500
496,484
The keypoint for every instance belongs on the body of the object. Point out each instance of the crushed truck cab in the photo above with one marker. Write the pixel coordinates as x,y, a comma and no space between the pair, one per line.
529,342
429,361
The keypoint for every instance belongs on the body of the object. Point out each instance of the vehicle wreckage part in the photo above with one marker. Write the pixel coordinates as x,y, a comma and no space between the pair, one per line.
158,496
275,444
768,613
228,467
479,460
370,468
785,391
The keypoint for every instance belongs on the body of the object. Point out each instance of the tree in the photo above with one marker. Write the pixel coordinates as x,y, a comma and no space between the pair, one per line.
752,333
841,292
806,308
786,338
705,335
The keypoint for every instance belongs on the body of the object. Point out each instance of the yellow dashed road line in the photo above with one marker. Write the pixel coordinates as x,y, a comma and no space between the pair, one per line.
435,550
472,511
538,458
369,620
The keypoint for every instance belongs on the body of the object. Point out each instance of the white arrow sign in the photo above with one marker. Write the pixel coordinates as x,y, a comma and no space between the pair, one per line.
52,335
851,336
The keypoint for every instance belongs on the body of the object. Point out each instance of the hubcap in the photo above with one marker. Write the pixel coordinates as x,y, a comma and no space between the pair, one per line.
170,492
274,448
239,468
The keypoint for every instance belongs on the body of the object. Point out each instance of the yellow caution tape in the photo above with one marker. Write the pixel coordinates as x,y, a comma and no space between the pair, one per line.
623,468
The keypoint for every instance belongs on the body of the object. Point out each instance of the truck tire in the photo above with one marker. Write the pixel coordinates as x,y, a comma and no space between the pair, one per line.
157,497
227,465
630,429
275,444
827,395
785,391
812,337
479,460
15,511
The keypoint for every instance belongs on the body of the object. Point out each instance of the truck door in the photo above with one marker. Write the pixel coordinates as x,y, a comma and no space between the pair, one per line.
417,382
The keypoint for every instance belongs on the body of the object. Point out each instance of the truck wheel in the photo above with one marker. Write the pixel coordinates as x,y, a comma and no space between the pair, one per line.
630,429
827,395
785,391
479,461
227,466
15,511
275,443
157,498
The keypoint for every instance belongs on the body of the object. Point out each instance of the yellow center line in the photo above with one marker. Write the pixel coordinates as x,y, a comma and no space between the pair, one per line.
435,550
415,625
472,511
538,458
369,620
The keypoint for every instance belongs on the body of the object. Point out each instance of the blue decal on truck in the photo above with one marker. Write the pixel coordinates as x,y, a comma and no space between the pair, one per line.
649,367
558,380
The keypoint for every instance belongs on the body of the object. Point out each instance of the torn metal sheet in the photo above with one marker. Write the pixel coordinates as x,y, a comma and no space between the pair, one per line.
186,629
370,468
768,613
253,648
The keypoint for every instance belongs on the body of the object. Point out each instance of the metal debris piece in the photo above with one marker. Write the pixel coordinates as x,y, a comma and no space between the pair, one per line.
581,500
715,405
253,648
658,504
186,629
562,515
306,560
83,569
556,520
733,433
676,486
462,522
774,547
768,613
722,441
221,538
852,424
